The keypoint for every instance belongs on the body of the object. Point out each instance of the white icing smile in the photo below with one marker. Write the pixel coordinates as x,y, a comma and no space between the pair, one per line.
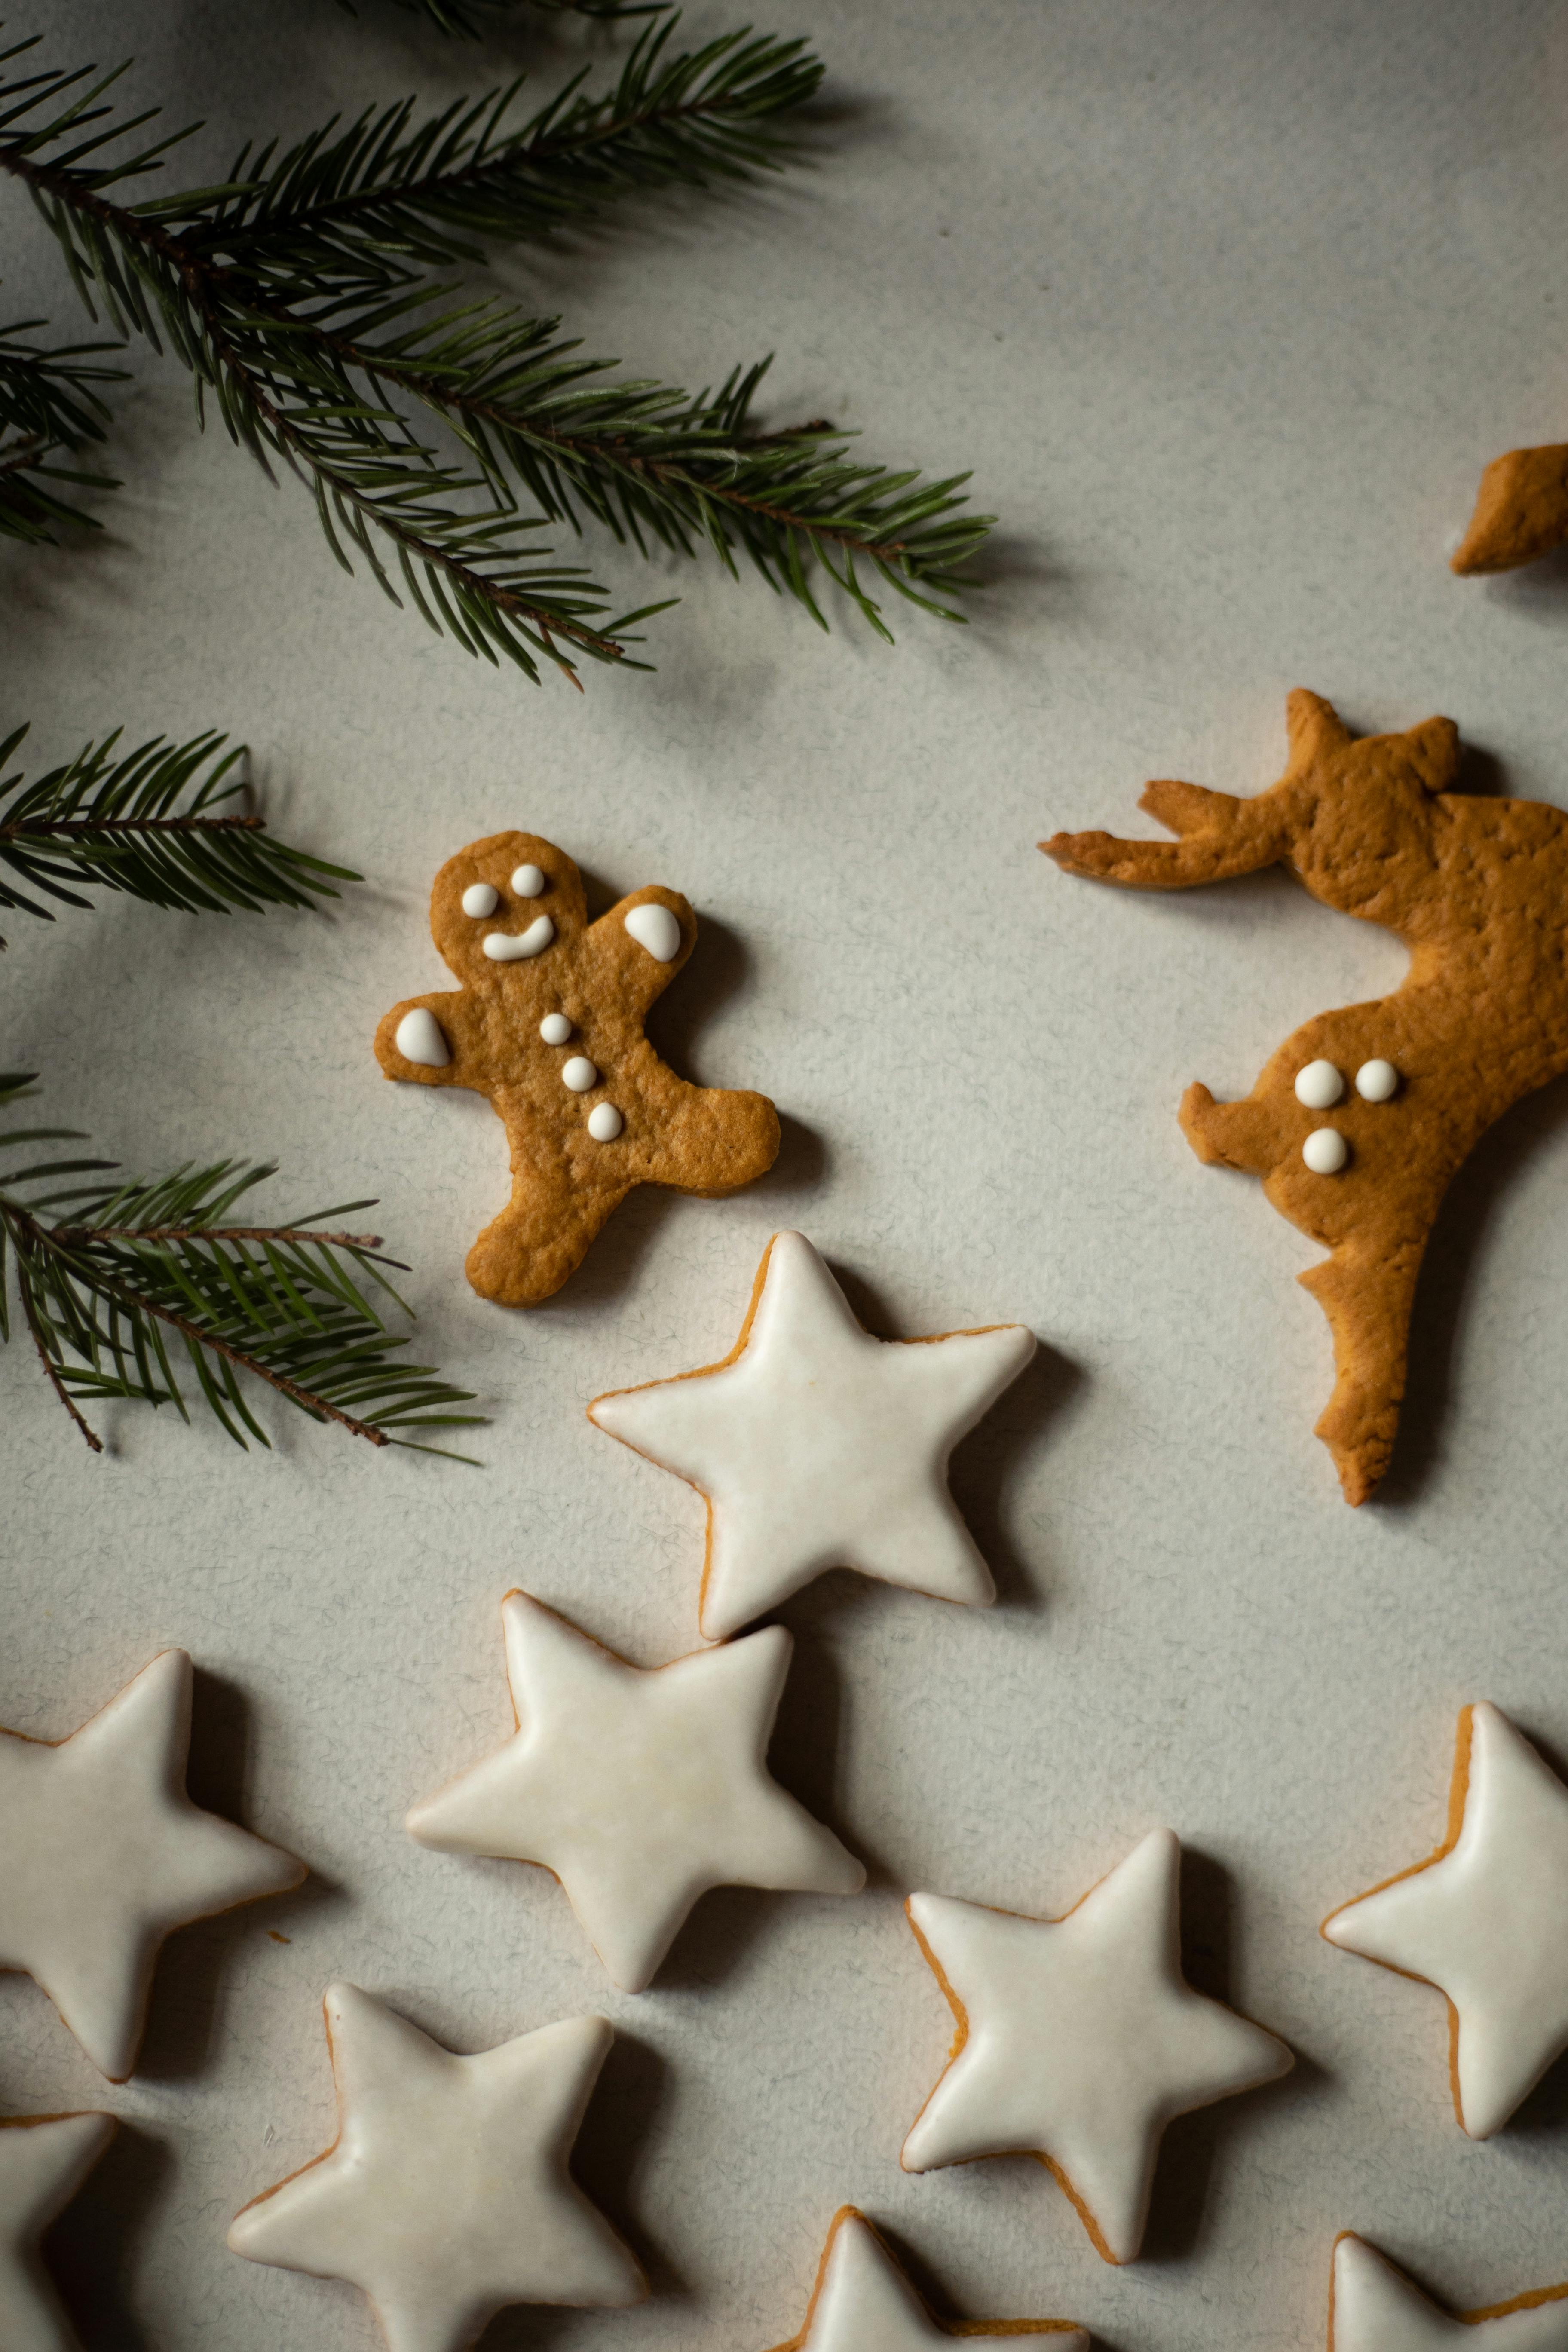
507,947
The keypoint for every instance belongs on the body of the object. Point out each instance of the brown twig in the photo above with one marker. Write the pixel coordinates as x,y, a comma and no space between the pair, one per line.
59,1386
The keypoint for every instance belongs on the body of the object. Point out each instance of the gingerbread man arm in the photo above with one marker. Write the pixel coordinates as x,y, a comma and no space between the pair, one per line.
1522,511
424,1041
640,945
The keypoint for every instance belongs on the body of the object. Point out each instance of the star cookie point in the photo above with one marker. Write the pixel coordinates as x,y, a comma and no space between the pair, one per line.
1374,2308
547,1024
44,2160
446,2195
103,1855
1079,2040
637,1789
863,2302
817,1445
1484,1919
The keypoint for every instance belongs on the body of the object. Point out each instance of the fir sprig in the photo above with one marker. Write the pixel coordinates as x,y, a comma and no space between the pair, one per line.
154,822
471,18
123,1286
49,406
293,290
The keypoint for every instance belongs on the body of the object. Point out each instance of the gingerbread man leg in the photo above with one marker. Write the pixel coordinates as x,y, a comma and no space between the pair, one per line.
1367,1300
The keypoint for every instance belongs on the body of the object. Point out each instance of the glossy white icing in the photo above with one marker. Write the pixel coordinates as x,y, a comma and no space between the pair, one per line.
420,1038
865,2303
1318,1083
1083,2040
103,1856
1377,1081
638,1789
579,1073
1325,1151
480,898
1486,1921
514,947
528,881
605,1122
819,1446
655,928
555,1028
44,2160
1373,2307
446,2195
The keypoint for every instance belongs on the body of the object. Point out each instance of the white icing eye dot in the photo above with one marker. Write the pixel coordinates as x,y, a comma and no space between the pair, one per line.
501,946
655,929
528,881
419,1039
555,1028
1318,1085
579,1073
1325,1151
481,900
1376,1081
605,1122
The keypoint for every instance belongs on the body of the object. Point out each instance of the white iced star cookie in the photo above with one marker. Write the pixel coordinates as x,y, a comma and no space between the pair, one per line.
819,1446
44,2160
639,1790
1373,2307
863,2303
1079,2040
1485,1919
447,2194
103,1856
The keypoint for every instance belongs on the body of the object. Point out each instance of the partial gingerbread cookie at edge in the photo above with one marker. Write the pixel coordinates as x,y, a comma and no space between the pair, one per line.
548,1024
1359,1121
1522,511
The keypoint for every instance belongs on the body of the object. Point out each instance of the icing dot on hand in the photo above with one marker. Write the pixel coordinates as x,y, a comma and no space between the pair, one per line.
479,900
419,1039
655,929
1325,1151
579,1073
501,946
1318,1086
605,1122
1376,1081
555,1028
528,881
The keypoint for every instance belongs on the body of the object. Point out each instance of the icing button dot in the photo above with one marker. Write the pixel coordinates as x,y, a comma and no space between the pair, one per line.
655,928
1325,1151
579,1073
1318,1085
480,898
419,1039
1376,1081
605,1122
555,1028
528,881
504,947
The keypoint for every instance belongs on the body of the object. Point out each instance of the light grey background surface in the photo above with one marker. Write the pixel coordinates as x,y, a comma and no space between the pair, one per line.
1227,305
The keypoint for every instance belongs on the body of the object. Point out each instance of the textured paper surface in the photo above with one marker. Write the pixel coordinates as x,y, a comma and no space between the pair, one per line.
1226,306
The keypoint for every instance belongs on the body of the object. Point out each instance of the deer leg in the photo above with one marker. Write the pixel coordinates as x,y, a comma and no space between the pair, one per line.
1367,1297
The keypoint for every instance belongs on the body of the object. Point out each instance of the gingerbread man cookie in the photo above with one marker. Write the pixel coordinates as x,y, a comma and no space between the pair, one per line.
1359,1121
548,1024
1522,511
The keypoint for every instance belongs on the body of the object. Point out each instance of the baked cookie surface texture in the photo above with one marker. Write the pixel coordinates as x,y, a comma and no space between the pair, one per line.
44,2160
1079,2040
638,1789
1373,2307
1485,1919
548,1025
863,2303
1522,511
446,2195
102,1855
1360,1120
819,1446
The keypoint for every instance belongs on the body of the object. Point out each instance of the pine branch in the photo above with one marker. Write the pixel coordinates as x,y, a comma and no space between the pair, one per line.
50,404
473,18
314,377
120,1284
153,822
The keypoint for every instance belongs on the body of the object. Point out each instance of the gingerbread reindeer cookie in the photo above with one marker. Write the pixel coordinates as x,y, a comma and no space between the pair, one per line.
1359,1120
548,1024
